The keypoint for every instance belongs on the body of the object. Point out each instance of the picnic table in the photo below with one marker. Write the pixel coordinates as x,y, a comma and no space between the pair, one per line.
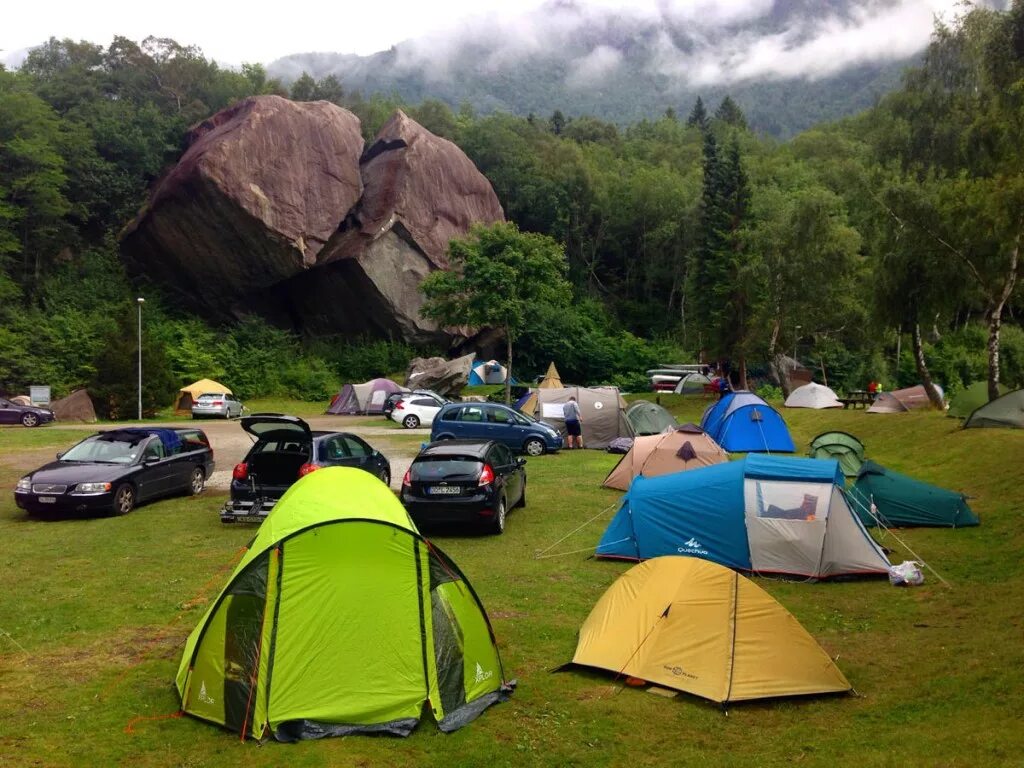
857,398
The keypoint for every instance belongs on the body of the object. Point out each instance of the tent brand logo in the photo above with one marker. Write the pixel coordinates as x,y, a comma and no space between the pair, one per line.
482,675
692,547
203,695
679,672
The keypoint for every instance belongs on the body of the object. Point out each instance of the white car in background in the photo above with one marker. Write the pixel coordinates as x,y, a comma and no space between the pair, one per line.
417,410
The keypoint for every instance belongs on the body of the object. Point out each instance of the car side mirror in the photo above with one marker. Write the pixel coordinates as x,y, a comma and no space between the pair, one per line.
60,455
149,462
521,461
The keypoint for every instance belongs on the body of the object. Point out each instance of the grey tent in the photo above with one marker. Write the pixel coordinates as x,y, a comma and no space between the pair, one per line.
902,400
1005,411
692,384
649,418
841,446
970,399
602,409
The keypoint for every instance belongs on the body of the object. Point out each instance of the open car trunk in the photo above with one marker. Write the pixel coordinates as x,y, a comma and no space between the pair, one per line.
277,469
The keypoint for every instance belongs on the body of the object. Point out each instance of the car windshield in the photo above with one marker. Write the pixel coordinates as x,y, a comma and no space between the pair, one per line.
430,468
210,397
120,450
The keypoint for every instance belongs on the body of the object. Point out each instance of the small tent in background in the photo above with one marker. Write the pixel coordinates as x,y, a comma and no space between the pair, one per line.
75,407
363,399
741,421
602,409
552,379
1005,411
528,402
765,514
686,447
188,395
903,501
21,400
902,400
697,627
358,620
489,372
813,396
970,399
841,446
649,418
692,384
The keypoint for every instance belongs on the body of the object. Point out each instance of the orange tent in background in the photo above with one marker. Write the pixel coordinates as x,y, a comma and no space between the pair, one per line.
551,380
188,395
686,447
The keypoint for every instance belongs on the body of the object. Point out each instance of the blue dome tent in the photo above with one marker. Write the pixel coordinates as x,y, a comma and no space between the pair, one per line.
743,422
762,514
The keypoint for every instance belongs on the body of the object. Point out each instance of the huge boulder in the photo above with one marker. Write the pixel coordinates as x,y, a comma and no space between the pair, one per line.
446,377
275,209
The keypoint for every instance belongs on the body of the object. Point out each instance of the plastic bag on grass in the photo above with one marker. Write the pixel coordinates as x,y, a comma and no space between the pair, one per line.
906,574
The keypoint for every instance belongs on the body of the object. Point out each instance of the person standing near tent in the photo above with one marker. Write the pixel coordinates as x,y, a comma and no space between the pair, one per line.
573,423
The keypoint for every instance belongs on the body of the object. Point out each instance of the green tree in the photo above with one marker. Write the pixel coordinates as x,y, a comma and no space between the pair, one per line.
304,88
698,116
730,113
499,278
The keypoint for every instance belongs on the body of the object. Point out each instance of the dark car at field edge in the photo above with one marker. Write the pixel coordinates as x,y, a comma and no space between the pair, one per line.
26,415
113,471
285,450
464,481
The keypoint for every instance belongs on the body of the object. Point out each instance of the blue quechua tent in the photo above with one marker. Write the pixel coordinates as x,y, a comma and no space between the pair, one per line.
763,514
743,422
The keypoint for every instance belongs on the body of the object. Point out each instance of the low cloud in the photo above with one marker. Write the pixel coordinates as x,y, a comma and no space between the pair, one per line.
696,43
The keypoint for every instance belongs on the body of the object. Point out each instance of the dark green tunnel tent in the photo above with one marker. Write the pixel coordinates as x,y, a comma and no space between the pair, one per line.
341,619
649,418
1005,411
904,501
841,446
970,399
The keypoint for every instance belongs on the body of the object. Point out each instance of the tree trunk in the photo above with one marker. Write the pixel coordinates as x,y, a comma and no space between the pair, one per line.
508,368
994,315
743,372
922,369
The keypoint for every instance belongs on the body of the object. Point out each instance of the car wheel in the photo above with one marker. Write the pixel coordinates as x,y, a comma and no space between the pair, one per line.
385,477
522,499
197,481
30,420
498,521
534,447
411,421
124,499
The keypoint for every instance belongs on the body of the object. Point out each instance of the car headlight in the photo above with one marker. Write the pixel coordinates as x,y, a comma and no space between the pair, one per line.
92,488
25,484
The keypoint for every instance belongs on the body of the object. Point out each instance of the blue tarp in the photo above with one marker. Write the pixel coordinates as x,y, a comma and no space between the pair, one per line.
743,422
169,437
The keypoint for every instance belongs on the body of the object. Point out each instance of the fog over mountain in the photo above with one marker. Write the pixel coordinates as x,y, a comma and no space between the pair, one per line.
789,63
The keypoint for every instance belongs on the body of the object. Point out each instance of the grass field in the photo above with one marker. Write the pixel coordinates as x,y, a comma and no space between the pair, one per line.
93,614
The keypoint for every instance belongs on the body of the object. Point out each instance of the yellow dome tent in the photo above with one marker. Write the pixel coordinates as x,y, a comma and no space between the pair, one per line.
698,627
188,395
552,380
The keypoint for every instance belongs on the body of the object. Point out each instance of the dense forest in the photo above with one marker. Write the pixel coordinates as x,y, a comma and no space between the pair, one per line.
882,246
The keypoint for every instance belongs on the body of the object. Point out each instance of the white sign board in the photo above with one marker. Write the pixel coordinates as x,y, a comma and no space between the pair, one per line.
551,411
39,395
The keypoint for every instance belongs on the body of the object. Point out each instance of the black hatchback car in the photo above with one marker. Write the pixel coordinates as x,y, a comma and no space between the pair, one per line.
26,415
110,472
468,481
285,450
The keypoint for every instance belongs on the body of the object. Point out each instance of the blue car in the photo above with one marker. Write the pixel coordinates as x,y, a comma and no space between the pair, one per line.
489,421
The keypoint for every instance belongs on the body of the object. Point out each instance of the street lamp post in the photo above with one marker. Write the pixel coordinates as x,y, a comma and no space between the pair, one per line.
796,339
140,301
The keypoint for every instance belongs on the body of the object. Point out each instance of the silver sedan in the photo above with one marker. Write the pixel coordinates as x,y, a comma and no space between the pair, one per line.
220,405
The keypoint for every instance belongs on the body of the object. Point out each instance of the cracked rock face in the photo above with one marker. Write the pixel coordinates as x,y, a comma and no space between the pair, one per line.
275,209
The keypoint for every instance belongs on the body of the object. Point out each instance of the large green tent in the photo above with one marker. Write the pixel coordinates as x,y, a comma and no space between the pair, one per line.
971,399
1005,411
841,446
341,619
649,418
903,501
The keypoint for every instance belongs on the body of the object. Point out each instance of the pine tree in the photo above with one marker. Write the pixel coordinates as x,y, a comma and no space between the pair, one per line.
730,113
698,116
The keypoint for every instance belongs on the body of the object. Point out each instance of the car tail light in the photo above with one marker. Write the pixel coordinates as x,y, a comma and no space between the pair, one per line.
308,467
240,472
217,402
399,406
486,475
407,478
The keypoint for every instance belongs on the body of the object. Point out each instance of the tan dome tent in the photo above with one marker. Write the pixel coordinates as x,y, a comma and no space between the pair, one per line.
902,400
21,400
701,628
686,447
1005,411
813,396
75,407
188,395
602,409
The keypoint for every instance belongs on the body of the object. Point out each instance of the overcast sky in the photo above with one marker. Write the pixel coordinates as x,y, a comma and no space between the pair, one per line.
261,32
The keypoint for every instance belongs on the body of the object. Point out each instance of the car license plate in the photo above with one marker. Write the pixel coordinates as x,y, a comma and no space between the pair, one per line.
250,518
444,490
47,499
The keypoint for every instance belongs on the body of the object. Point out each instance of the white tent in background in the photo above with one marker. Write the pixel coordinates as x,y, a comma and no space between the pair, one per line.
813,396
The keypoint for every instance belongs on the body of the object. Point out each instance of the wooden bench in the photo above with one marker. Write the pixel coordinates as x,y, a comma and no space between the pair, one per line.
857,399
